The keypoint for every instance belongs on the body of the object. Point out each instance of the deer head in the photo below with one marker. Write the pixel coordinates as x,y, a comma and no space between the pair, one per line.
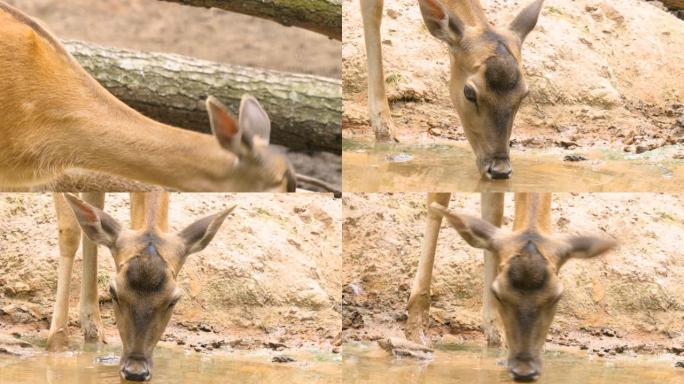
487,82
259,166
527,287
144,290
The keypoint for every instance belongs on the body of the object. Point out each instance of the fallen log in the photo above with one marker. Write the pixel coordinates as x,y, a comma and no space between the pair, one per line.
305,110
322,16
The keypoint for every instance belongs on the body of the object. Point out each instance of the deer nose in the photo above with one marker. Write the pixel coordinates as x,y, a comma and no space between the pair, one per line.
524,371
136,370
499,169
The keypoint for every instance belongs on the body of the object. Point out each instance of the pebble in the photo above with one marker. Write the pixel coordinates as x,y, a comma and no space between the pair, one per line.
283,359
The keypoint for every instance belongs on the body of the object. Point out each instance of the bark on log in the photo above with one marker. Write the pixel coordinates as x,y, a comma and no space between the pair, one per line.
673,4
322,16
305,110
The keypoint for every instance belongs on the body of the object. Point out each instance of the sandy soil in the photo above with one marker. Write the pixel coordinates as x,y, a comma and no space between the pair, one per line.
270,279
601,73
628,301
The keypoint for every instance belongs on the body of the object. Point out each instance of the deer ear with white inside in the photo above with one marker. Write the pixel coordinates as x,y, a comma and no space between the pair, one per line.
253,120
441,22
526,20
475,231
96,224
224,126
199,234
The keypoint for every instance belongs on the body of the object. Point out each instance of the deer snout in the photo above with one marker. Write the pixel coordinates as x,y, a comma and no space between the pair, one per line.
499,168
524,370
136,369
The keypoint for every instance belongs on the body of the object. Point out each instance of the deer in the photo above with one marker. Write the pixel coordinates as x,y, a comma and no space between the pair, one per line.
147,258
56,117
486,83
521,282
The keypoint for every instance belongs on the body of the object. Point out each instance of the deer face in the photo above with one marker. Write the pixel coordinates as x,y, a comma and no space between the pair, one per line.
144,290
487,82
527,288
259,166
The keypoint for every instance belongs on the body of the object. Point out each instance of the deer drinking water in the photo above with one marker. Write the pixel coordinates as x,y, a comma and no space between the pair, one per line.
148,259
521,282
487,82
54,116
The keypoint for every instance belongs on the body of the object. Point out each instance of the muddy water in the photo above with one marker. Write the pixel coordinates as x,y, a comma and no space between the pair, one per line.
440,168
471,364
171,365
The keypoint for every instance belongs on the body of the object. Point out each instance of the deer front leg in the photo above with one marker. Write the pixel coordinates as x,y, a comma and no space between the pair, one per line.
69,236
89,306
492,211
378,108
419,300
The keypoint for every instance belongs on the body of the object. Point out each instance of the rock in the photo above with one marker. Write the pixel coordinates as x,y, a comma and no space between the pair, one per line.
404,348
283,359
679,364
574,158
641,149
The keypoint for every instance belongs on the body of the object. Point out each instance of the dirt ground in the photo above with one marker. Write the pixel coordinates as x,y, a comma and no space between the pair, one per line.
600,73
627,301
271,278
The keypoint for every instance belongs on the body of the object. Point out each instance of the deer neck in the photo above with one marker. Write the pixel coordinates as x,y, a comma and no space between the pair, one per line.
120,141
532,212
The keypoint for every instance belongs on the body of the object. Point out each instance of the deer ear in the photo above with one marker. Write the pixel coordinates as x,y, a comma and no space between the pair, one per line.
254,121
586,247
441,22
475,231
224,126
199,234
97,225
526,20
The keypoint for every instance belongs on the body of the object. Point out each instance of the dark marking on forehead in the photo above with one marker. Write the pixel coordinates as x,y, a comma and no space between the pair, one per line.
527,271
146,272
37,28
502,73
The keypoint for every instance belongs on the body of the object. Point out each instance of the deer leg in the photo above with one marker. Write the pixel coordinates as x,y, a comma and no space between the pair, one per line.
69,236
419,300
89,306
378,107
492,211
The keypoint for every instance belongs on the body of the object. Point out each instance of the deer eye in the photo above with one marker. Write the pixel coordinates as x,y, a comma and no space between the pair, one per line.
495,295
112,293
470,94
174,301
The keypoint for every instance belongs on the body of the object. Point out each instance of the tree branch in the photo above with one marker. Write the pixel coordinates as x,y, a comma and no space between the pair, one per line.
322,16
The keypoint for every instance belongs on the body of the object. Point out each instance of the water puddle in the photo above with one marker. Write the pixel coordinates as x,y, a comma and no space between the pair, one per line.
369,167
172,365
472,364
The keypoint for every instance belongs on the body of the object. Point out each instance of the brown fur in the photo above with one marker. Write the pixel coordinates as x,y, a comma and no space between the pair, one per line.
147,258
55,116
484,58
526,287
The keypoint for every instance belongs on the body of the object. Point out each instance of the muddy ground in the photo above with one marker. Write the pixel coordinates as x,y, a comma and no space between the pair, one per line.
600,73
270,279
627,301
209,34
